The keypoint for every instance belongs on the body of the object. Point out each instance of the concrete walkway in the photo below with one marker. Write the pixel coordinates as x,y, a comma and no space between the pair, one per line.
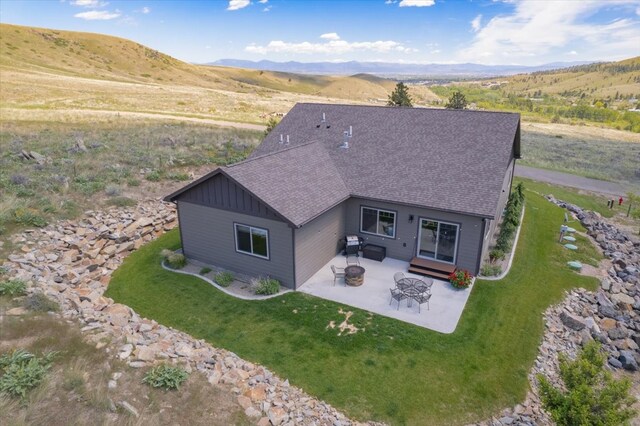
446,304
573,181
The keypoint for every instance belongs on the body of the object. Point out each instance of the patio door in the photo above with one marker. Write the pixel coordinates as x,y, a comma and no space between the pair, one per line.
438,240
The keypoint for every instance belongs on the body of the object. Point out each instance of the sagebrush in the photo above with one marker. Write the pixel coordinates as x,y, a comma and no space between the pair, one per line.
166,376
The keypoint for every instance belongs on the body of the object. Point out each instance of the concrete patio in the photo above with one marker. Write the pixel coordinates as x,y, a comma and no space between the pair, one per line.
446,304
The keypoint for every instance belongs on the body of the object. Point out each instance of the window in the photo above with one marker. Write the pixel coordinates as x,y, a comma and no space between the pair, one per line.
378,222
251,240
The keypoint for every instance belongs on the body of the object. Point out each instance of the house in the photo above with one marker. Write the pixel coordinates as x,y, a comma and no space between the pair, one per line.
423,183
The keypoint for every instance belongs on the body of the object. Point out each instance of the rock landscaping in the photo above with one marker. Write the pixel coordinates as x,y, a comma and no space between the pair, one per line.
611,316
72,262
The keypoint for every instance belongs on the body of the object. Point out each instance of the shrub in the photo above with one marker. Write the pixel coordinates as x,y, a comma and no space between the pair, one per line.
177,261
590,395
19,180
460,278
28,217
38,302
179,177
267,286
13,288
224,278
205,271
503,243
491,270
121,202
112,190
495,255
133,182
154,176
165,376
23,371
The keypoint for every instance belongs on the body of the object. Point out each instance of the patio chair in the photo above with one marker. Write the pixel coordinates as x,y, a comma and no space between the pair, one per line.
353,259
422,298
337,273
397,295
397,277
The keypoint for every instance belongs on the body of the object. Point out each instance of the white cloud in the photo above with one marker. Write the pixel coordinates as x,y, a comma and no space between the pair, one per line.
238,4
266,9
330,36
263,1
88,3
333,46
145,10
476,23
573,52
417,3
98,15
390,1
543,28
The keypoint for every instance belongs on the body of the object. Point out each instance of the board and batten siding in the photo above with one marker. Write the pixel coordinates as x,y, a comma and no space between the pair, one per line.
208,235
317,242
404,245
221,192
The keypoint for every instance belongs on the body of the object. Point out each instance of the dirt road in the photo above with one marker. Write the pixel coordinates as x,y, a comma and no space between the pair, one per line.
573,181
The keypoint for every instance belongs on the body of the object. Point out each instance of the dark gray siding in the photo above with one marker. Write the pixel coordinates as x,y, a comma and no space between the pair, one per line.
316,243
223,193
404,245
208,235
504,196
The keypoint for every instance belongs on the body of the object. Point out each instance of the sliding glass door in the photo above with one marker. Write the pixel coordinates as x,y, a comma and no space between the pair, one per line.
438,240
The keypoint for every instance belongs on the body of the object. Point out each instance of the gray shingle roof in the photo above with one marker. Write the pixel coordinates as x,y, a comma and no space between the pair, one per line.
451,160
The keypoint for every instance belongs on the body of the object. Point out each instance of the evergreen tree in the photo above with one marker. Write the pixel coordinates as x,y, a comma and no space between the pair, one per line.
457,101
270,125
400,96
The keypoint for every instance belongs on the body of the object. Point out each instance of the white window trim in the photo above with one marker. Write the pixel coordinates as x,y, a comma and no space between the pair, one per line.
455,248
251,228
395,221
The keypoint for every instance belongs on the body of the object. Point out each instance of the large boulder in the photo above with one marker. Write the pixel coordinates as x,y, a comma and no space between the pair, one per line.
628,361
572,321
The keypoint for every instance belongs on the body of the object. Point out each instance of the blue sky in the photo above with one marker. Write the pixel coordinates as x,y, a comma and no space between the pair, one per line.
525,32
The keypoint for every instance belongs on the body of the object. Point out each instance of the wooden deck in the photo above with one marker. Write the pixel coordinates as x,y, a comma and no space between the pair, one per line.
432,268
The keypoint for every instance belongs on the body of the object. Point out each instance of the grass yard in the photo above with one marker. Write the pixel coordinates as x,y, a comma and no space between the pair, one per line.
390,370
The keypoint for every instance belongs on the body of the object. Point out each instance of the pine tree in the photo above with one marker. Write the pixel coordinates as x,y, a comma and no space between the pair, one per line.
456,101
400,96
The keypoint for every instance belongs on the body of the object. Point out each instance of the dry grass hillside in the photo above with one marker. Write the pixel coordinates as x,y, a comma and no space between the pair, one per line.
605,80
46,69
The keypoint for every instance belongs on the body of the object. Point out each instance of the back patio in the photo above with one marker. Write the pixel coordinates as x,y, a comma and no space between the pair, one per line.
445,307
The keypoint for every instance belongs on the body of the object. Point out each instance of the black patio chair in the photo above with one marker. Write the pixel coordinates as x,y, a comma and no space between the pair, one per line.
397,277
398,295
422,298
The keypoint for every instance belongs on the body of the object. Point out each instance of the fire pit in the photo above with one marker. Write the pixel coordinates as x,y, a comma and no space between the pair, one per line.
354,275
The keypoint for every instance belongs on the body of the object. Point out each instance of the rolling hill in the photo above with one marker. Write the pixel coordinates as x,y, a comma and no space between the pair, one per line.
48,70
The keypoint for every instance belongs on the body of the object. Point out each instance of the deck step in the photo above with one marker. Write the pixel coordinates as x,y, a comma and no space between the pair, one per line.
431,268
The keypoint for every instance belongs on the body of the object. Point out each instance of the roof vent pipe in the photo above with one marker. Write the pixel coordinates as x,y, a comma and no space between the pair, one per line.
345,142
324,118
281,138
287,140
350,131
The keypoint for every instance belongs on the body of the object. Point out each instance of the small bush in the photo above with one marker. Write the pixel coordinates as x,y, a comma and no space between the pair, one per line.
19,180
133,182
205,271
267,286
38,302
113,190
177,261
460,279
23,371
179,177
121,202
224,278
495,255
491,270
154,176
503,242
13,288
28,217
165,376
591,396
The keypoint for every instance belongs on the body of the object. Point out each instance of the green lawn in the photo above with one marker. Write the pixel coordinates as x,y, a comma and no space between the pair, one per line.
391,371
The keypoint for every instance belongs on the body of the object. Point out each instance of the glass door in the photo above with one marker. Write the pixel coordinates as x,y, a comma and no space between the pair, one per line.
438,240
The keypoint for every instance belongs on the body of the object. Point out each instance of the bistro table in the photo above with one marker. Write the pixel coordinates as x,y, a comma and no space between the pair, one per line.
413,287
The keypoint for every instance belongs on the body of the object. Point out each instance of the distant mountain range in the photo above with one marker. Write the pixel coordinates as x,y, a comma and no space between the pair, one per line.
387,69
